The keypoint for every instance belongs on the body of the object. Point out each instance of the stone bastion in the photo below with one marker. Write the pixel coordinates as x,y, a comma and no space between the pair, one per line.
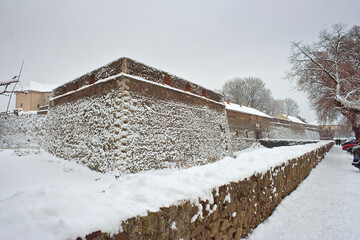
129,117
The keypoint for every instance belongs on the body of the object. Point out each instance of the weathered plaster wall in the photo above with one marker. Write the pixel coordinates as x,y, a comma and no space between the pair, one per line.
129,125
234,210
25,130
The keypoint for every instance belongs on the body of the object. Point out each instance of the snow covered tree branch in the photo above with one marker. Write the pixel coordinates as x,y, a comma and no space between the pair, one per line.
328,72
5,85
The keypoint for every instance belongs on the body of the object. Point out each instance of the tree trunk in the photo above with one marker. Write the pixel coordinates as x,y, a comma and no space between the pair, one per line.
356,130
354,119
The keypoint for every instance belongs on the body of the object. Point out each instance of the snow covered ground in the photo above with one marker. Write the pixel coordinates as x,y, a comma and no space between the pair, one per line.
43,197
325,206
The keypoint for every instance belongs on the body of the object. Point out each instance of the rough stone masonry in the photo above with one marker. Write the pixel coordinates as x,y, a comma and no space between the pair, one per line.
111,120
235,209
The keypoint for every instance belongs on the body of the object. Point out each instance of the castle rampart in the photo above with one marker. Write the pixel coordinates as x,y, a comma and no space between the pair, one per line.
129,67
257,125
128,123
129,117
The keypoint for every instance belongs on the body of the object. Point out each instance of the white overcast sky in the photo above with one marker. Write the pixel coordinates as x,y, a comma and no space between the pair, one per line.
204,41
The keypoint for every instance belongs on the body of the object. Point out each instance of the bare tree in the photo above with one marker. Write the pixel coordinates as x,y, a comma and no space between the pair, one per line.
290,107
5,86
233,90
328,71
249,92
273,107
253,93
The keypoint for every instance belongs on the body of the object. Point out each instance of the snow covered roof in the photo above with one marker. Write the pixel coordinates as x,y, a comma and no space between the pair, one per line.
41,87
295,119
290,118
243,109
315,123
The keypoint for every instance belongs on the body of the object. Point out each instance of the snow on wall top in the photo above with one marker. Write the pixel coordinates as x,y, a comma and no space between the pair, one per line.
295,119
290,118
136,69
244,109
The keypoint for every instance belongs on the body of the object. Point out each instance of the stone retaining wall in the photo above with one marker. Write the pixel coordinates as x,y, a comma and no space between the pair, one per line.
235,209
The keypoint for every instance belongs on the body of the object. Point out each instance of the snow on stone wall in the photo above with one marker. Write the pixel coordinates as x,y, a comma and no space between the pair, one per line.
246,128
25,130
229,211
240,143
131,125
128,117
287,132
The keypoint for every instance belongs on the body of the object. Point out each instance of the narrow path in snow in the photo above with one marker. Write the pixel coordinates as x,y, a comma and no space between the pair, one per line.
325,206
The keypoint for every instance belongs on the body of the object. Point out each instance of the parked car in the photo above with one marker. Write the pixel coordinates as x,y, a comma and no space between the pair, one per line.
356,151
350,149
356,162
352,144
348,142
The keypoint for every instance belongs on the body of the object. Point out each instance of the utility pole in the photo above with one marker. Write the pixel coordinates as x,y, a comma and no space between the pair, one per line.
7,109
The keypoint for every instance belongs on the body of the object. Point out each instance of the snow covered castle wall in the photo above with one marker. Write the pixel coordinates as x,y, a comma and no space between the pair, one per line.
23,130
293,131
129,117
246,128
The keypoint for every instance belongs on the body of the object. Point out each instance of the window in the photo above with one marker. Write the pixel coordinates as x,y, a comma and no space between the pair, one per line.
92,79
167,80
188,87
203,93
75,86
21,105
38,106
